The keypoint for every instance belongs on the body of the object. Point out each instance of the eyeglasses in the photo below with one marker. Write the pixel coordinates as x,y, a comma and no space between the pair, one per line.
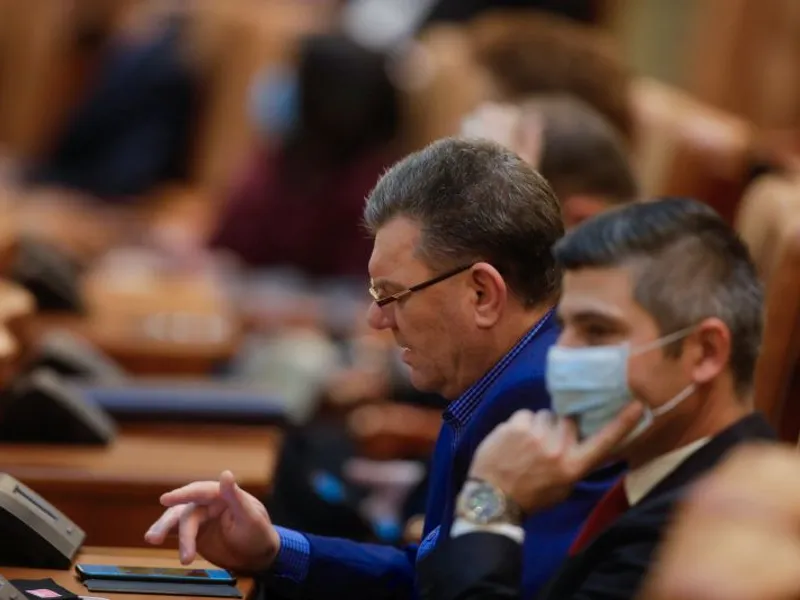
383,301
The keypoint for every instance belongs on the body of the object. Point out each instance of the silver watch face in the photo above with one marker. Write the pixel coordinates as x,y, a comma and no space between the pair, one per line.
484,504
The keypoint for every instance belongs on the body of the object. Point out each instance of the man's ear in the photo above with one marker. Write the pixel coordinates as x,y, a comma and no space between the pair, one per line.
489,294
711,349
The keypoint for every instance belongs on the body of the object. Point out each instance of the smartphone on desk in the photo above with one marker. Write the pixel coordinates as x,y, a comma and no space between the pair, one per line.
174,575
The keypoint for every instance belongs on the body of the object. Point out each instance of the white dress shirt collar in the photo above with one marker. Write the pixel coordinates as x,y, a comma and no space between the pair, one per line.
639,482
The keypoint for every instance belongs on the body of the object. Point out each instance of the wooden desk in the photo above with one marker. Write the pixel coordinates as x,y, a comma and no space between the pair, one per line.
154,325
112,493
134,557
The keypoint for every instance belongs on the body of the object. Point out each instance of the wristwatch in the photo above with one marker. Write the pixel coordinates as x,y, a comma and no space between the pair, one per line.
482,503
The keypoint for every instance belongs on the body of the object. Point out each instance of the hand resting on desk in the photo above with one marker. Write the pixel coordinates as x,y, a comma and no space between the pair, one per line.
221,522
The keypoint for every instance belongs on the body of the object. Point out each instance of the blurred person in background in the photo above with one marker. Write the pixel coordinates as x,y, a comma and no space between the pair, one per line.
527,54
294,218
121,129
299,204
737,534
132,130
581,154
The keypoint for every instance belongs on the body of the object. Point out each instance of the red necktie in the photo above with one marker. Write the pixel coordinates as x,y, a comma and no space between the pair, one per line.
609,509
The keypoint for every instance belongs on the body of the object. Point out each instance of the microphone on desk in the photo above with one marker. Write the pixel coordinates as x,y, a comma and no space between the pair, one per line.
42,407
71,356
8,591
49,274
35,534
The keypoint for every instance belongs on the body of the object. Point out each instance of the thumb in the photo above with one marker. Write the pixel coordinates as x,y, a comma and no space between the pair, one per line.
597,448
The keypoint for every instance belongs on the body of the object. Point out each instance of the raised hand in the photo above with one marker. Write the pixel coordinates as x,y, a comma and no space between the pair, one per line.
536,458
221,522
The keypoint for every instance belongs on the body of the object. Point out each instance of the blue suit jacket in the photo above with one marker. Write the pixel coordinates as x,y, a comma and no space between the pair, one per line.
344,569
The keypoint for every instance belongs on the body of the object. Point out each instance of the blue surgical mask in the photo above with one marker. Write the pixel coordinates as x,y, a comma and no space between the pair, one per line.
274,102
590,385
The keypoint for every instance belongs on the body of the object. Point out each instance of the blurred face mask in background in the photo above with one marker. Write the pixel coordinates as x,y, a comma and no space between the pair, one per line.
274,102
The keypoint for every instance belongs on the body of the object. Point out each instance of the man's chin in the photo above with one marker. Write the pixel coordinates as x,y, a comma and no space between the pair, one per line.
420,382
425,385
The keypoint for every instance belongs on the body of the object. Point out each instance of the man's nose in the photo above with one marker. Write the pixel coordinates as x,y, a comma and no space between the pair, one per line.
377,318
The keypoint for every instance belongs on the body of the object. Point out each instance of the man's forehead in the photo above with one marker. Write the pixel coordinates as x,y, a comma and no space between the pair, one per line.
394,247
606,291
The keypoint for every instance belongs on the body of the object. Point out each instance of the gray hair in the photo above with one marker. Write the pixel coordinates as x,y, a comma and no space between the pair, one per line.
476,201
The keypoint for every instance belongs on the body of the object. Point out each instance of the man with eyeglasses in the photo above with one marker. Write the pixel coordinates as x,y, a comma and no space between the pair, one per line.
463,278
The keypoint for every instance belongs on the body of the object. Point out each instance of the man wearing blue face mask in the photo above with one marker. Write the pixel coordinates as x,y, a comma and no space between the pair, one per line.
273,103
327,127
662,319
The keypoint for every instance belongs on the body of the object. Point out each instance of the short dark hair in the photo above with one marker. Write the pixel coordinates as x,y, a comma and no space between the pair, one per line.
688,265
475,200
582,153
348,103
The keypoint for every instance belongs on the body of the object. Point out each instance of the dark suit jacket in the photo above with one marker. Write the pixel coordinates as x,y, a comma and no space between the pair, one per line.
488,566
132,131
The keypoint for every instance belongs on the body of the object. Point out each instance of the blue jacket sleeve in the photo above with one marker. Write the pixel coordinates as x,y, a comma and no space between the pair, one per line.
294,556
339,568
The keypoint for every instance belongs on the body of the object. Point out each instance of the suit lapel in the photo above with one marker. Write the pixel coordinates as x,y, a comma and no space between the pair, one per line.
751,427
670,489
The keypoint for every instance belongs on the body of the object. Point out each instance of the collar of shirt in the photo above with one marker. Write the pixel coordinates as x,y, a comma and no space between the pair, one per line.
639,482
460,411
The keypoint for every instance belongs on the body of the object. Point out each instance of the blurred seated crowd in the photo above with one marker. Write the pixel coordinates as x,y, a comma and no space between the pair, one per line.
235,143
